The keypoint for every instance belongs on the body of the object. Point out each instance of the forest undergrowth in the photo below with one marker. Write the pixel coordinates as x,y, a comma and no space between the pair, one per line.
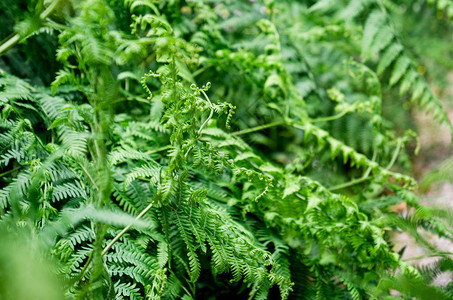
215,149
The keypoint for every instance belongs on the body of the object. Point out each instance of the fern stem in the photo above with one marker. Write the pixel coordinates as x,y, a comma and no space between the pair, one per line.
48,10
16,37
210,114
10,171
258,128
9,43
199,71
87,173
158,149
330,118
126,229
428,255
395,155
355,181
88,266
348,184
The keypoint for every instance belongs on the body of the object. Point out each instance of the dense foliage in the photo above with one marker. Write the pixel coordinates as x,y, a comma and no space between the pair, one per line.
203,149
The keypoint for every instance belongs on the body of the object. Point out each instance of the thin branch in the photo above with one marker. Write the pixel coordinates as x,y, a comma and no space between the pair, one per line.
395,154
428,255
93,182
348,184
158,150
355,181
126,229
48,10
331,118
10,171
210,113
87,266
9,43
258,128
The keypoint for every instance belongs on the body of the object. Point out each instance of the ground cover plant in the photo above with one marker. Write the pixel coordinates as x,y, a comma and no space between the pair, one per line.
215,149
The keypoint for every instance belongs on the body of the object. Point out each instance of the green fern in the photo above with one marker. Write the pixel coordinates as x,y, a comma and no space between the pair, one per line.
192,149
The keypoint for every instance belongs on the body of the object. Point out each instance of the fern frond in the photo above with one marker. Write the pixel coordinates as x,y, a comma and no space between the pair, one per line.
403,69
127,290
67,190
151,171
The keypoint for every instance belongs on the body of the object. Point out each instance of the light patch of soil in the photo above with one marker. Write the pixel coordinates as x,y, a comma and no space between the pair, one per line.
436,147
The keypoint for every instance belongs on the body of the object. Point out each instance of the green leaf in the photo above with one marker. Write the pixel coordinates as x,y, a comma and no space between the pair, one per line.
389,55
401,65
